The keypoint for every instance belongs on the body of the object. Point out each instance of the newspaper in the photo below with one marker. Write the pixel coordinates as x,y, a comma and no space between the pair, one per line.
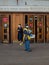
32,36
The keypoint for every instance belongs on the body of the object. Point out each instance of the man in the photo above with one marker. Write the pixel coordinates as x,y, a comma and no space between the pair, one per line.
20,33
26,39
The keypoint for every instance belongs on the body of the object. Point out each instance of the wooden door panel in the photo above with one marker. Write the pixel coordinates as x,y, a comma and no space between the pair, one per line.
47,29
18,20
0,28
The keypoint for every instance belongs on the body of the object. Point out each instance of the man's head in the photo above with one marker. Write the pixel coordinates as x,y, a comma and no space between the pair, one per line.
19,25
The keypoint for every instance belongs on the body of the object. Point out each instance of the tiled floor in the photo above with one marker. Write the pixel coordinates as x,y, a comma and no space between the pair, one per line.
13,54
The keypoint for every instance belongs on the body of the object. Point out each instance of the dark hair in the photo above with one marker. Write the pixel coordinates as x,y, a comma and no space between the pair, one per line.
19,24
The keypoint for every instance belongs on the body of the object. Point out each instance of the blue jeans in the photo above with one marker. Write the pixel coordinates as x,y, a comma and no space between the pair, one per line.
27,45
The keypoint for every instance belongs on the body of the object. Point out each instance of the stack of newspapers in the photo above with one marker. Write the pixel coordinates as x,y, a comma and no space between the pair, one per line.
32,35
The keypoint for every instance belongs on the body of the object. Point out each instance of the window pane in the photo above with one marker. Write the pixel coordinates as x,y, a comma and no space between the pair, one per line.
30,19
40,36
40,30
5,30
5,36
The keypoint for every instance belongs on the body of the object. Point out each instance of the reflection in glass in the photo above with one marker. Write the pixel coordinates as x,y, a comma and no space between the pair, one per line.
5,25
30,19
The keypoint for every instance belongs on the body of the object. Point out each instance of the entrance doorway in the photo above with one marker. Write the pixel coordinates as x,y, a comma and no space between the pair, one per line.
35,27
0,29
47,28
36,24
10,29
5,27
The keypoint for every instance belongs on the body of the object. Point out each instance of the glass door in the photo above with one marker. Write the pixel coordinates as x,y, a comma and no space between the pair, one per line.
31,24
5,28
40,29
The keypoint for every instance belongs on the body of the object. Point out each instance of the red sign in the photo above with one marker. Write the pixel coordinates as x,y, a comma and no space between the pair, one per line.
39,24
31,24
5,19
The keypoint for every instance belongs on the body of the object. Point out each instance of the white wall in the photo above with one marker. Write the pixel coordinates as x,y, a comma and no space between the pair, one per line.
8,2
22,2
33,2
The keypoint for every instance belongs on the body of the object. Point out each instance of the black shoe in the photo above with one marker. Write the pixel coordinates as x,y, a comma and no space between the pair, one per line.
29,50
25,49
